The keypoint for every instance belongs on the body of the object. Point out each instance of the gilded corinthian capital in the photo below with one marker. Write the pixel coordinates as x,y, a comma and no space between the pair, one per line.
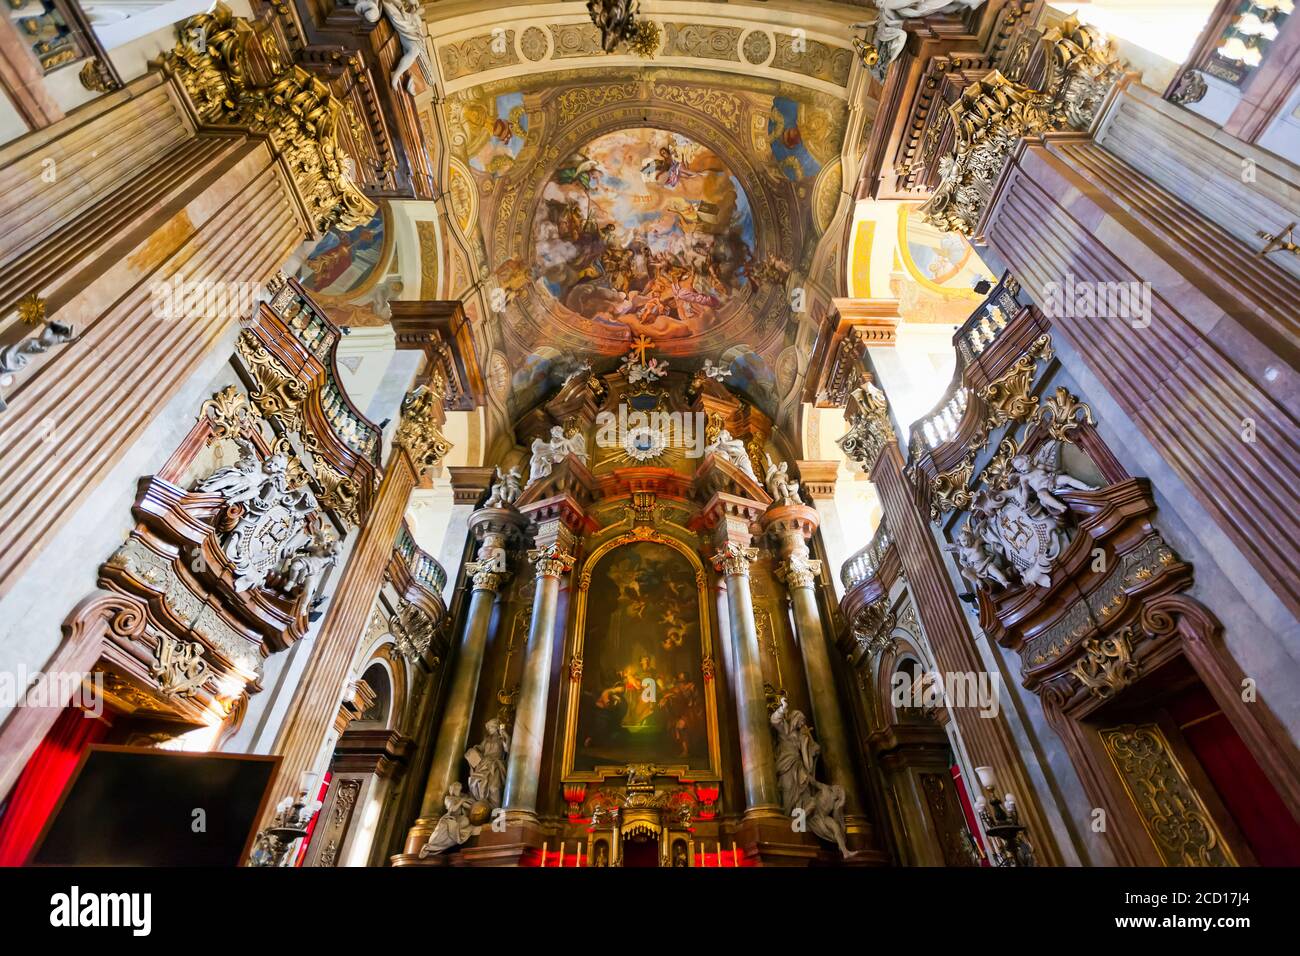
551,560
419,431
733,558
236,74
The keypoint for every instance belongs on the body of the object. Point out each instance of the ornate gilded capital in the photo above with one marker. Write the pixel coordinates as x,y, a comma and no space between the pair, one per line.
798,571
733,558
419,432
235,74
869,427
551,561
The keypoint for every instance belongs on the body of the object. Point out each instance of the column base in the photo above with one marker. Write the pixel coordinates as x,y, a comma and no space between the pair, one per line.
767,839
521,839
861,838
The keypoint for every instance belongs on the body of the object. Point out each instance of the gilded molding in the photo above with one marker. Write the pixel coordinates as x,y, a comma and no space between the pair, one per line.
994,113
1173,813
218,58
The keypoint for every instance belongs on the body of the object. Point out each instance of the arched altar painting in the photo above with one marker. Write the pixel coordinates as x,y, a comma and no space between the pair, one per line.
642,698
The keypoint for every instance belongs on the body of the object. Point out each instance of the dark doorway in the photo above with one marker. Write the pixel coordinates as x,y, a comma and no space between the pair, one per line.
640,852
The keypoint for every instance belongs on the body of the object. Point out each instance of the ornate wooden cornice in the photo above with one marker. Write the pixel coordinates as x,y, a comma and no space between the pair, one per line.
849,329
440,329
917,91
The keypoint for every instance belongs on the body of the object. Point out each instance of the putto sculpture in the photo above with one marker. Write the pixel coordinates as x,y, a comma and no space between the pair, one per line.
547,454
276,536
506,489
1018,527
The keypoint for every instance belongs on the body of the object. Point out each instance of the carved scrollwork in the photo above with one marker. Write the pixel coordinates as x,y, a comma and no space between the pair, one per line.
227,413
1107,665
1063,413
217,57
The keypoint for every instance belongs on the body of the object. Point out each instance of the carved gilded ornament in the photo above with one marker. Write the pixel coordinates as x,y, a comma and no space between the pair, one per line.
278,395
1107,665
1063,413
1173,813
216,58
873,628
994,113
179,666
869,427
227,413
1008,398
419,432
949,489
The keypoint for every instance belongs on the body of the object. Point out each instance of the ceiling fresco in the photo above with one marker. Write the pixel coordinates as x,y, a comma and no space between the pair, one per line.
643,232
667,203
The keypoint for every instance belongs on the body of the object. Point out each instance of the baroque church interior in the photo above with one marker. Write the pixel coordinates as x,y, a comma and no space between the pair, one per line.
802,433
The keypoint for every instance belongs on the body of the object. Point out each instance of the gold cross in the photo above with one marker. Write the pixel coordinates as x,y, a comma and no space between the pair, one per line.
640,345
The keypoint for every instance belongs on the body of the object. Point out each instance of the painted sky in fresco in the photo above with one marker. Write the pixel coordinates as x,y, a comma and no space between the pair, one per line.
643,231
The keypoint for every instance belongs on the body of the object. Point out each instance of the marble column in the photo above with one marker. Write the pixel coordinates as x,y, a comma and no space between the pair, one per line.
496,529
552,559
789,526
762,798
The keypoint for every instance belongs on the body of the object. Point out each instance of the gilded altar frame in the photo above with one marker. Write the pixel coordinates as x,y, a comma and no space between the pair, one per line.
576,642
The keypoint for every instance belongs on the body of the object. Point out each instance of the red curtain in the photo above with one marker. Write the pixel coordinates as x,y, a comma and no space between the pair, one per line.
42,781
969,813
1248,795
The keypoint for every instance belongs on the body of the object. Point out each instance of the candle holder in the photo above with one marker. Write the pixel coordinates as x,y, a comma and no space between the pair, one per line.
292,817
1008,843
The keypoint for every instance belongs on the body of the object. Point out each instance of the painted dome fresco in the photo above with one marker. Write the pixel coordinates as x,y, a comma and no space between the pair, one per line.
643,231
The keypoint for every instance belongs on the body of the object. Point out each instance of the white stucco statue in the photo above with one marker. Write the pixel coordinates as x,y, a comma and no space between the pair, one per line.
977,560
731,450
487,760
783,489
407,23
821,805
505,489
890,36
453,827
546,454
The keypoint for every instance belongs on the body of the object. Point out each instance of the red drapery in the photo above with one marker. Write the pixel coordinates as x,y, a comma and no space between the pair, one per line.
42,781
1248,795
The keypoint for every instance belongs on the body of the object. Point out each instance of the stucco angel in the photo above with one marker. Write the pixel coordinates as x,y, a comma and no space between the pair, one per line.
977,560
1039,479
732,450
239,481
